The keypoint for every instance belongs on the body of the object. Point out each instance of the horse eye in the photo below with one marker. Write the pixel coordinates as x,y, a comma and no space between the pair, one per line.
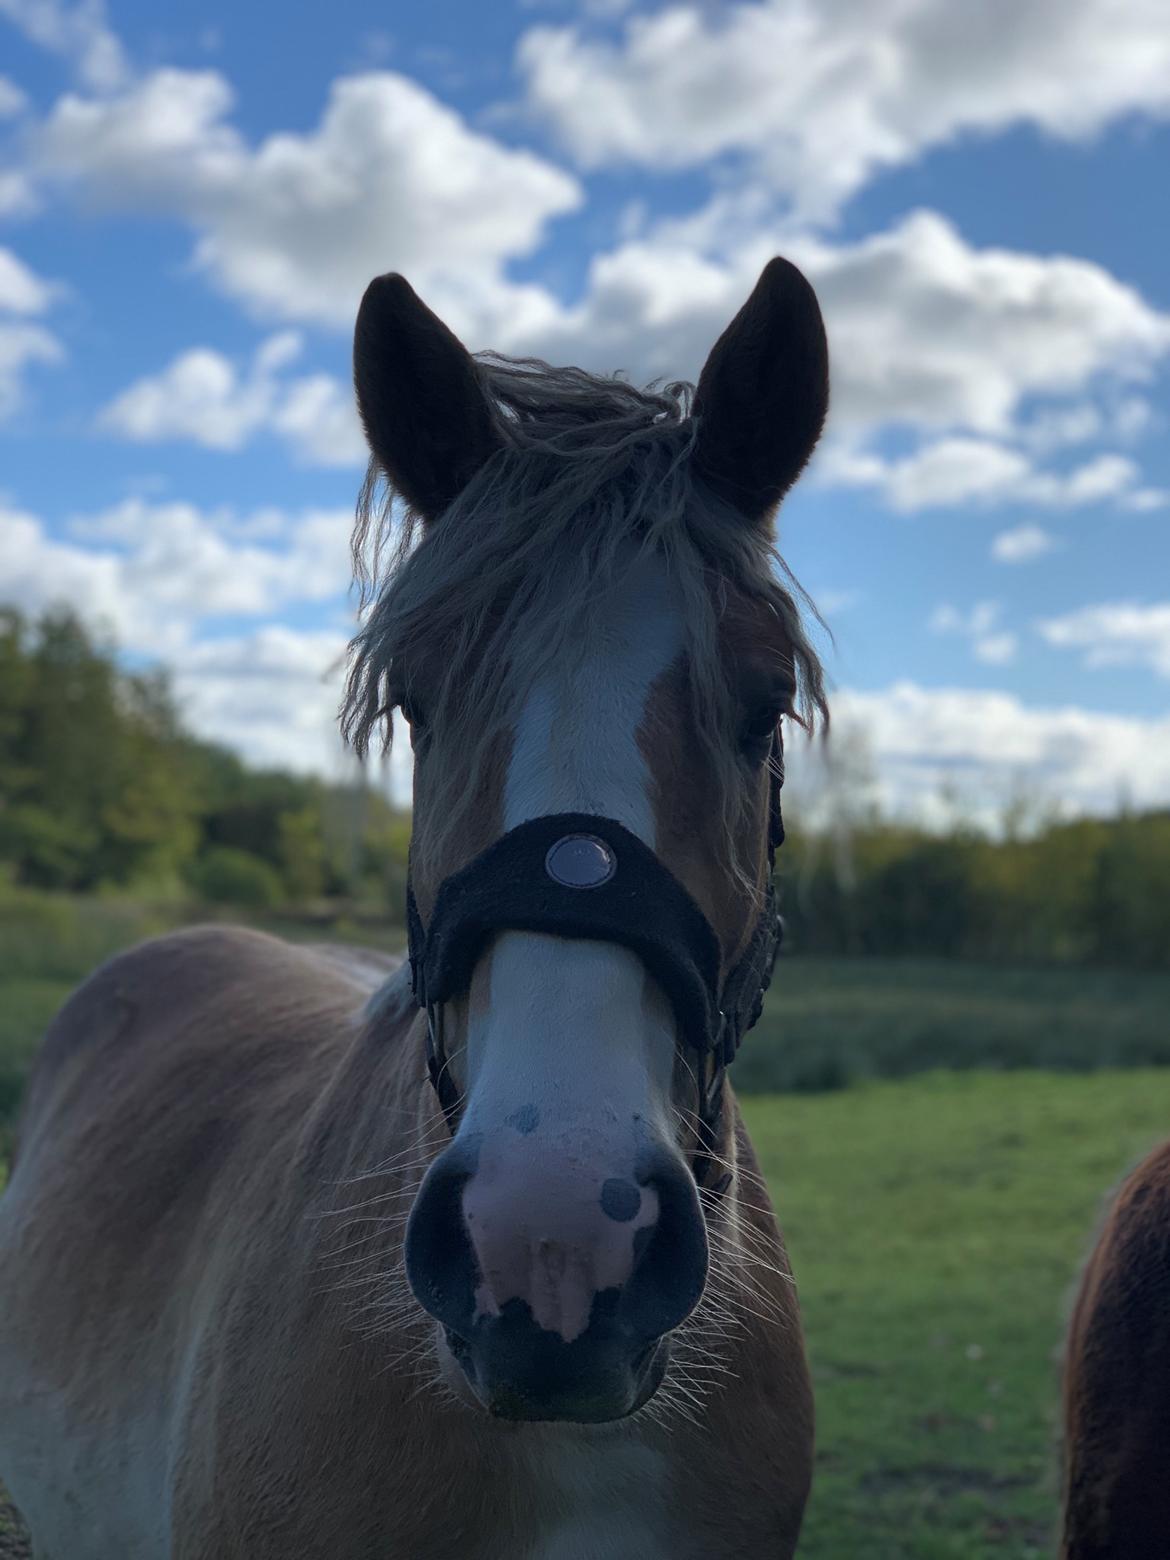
759,727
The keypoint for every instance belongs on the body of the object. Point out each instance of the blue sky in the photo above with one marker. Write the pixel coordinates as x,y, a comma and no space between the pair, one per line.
190,209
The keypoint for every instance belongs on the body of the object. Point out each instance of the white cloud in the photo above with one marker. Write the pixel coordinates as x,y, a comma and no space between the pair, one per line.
205,397
984,748
391,179
80,32
160,574
316,414
928,330
1126,420
22,293
21,345
818,98
925,330
1118,633
17,198
12,99
272,695
990,643
1146,499
996,649
979,471
928,333
168,578
1133,418
1022,543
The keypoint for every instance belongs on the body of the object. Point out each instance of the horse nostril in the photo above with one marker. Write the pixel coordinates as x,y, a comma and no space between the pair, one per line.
440,1261
671,1268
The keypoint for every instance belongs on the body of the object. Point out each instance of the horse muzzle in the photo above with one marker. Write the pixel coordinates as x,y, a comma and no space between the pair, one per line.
556,1286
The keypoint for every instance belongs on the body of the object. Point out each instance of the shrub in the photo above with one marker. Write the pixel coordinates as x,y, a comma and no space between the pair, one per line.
224,875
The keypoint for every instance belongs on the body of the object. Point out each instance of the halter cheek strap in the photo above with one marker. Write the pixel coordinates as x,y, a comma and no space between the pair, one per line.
576,875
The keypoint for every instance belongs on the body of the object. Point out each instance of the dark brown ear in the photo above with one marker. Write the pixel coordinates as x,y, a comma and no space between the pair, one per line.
763,394
427,419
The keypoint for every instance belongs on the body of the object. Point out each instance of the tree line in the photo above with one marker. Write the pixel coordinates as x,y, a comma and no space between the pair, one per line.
1085,891
103,789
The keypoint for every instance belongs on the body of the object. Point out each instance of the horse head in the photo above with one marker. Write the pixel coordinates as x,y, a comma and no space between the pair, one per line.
592,640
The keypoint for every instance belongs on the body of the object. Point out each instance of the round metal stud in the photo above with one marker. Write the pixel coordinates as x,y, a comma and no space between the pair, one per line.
580,861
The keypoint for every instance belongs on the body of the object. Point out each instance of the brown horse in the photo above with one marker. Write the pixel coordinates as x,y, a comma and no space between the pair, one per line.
307,1253
1117,1381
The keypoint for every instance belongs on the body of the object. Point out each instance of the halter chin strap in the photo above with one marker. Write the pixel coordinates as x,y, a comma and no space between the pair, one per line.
576,875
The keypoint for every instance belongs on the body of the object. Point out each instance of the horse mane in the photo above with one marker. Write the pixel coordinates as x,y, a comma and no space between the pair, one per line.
469,610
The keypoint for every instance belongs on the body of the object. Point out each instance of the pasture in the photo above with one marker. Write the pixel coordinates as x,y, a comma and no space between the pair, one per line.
935,1221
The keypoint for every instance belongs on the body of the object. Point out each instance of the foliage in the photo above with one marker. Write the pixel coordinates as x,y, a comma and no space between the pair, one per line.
828,1023
1089,891
101,788
235,877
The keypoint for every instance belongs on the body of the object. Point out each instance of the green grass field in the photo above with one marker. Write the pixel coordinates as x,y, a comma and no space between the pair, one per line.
936,1222
936,1228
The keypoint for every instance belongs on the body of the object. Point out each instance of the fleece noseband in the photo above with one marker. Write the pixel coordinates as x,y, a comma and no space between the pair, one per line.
575,875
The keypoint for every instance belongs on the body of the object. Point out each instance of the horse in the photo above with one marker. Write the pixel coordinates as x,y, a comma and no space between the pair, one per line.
315,1252
1116,1438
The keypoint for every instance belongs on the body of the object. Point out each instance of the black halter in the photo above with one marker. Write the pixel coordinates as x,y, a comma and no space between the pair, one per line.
580,876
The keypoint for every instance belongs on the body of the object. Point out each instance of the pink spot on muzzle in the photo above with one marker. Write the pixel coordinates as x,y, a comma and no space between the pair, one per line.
542,1233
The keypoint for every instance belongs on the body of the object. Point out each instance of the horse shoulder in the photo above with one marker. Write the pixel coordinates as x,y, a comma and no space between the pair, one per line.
157,1159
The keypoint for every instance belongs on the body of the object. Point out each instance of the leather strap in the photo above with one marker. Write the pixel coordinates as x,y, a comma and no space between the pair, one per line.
641,906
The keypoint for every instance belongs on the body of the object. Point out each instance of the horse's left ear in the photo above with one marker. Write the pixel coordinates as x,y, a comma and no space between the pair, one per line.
763,394
427,417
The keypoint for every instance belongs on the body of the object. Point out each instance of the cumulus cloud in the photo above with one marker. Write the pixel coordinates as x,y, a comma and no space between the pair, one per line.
12,99
1022,543
22,293
17,197
928,334
197,592
80,33
932,750
271,694
159,574
1127,420
205,397
169,579
990,643
295,226
930,330
926,331
980,471
817,99
1117,633
21,344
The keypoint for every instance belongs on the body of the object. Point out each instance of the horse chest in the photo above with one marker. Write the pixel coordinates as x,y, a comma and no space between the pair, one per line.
598,1498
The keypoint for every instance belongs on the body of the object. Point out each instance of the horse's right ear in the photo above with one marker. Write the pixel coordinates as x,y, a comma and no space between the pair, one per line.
763,394
427,418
